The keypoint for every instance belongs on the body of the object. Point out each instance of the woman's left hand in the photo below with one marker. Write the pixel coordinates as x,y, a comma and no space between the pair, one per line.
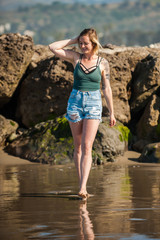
112,120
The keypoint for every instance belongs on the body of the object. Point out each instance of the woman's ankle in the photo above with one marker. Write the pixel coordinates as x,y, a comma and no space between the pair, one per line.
83,190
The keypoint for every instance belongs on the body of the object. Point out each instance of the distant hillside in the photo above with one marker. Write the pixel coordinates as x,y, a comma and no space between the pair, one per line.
129,23
6,5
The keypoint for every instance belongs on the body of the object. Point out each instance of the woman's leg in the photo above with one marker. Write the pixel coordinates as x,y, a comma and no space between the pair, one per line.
89,130
76,129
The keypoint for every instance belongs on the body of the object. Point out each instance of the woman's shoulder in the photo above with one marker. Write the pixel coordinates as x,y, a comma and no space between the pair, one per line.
104,63
104,60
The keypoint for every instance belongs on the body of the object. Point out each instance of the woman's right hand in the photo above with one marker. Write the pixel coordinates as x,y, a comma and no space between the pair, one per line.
112,120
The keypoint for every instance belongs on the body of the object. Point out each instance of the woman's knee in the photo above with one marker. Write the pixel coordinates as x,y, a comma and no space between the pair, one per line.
77,148
87,147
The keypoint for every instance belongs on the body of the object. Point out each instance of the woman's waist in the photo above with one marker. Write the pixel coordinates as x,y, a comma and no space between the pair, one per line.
91,92
85,87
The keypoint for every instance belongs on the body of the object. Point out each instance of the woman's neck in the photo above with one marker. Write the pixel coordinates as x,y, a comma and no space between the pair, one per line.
89,56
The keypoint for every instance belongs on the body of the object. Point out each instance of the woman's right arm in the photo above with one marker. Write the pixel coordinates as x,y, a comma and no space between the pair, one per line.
58,49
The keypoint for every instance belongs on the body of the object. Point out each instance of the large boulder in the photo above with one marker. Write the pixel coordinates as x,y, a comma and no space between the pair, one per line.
140,81
148,127
52,142
49,78
146,81
151,153
41,53
123,61
111,142
120,76
7,127
45,91
16,52
47,142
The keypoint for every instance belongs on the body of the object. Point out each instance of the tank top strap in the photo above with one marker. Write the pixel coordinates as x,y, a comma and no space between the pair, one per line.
90,69
81,64
99,59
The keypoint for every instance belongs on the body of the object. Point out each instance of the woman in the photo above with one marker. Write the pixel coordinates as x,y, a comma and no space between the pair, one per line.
85,105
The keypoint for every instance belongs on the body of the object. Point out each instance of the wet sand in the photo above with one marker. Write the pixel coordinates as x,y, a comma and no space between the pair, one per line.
7,159
129,157
125,202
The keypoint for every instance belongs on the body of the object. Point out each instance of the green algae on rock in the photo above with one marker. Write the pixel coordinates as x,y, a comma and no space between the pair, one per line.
51,142
47,142
125,135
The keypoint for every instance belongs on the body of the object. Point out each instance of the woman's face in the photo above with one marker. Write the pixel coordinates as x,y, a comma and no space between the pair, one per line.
85,44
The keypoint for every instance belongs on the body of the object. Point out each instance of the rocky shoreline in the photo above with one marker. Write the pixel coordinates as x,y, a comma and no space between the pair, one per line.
34,89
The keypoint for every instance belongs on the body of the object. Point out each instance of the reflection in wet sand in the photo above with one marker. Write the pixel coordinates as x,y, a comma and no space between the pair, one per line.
146,195
9,186
85,224
115,203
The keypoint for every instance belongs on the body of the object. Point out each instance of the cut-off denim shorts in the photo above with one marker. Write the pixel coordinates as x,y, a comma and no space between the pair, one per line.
84,105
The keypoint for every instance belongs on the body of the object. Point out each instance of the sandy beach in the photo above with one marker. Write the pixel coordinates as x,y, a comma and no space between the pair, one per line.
129,157
6,159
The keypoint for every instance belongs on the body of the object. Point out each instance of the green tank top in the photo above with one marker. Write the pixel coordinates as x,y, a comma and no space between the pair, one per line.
87,80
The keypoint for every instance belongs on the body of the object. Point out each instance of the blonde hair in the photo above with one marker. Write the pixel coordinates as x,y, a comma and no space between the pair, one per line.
92,34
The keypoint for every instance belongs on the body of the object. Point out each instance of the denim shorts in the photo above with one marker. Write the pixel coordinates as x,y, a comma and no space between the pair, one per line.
84,105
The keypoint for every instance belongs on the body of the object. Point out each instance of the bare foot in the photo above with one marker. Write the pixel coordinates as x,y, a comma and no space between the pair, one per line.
83,194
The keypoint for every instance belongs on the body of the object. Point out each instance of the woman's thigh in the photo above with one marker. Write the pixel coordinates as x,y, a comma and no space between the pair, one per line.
76,129
89,131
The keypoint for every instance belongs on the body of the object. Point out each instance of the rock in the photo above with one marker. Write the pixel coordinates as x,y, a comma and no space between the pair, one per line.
52,142
47,83
7,127
155,45
51,77
12,137
47,142
123,61
16,52
151,153
148,127
146,81
111,142
41,53
45,91
120,76
110,46
139,145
